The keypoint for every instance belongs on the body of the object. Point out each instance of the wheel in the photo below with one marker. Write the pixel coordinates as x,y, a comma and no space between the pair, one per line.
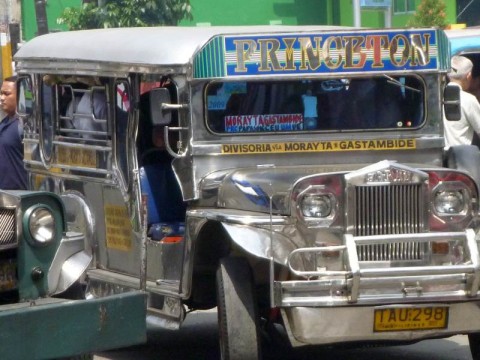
237,315
474,341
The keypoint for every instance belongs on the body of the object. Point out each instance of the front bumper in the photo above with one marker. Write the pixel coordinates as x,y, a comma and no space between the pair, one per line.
56,328
317,326
382,285
327,307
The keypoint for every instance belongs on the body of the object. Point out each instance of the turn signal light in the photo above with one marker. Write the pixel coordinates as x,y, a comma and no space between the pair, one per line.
440,248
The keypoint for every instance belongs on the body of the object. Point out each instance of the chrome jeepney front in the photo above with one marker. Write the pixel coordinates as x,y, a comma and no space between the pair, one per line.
394,243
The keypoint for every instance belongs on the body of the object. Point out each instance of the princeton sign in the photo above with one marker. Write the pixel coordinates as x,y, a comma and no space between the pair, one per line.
308,53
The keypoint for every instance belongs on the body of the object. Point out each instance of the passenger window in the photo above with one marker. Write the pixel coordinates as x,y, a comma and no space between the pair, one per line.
83,112
25,96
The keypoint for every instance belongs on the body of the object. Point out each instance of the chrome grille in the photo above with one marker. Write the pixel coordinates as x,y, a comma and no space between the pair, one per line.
396,251
7,227
385,210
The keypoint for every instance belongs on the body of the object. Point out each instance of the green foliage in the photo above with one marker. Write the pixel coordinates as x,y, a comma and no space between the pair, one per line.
430,13
126,13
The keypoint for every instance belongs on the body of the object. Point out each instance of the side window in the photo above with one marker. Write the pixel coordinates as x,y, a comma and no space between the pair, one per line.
83,112
25,96
79,125
122,107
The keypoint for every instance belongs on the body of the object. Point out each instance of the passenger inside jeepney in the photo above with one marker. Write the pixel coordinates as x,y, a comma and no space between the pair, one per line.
88,116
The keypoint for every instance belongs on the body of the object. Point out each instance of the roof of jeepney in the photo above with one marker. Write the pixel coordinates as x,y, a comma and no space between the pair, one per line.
147,46
464,40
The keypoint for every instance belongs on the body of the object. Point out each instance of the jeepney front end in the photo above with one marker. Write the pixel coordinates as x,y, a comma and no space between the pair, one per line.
39,262
372,254
370,235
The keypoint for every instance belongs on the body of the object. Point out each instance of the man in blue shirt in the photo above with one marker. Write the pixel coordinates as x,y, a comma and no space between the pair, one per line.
13,175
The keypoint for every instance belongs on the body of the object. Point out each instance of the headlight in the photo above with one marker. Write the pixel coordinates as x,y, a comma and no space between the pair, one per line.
449,202
316,205
41,224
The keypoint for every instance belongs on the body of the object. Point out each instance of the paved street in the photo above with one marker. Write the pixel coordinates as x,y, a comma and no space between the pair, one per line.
198,341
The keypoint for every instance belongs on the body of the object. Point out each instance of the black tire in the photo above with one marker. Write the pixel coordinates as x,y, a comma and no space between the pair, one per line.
474,341
237,314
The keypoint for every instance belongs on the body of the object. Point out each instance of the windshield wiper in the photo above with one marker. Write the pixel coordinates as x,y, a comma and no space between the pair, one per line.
398,83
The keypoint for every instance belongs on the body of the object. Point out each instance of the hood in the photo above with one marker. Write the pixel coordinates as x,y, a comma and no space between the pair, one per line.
252,189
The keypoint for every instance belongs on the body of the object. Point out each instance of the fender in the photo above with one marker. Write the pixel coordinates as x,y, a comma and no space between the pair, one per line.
74,253
69,264
465,158
256,241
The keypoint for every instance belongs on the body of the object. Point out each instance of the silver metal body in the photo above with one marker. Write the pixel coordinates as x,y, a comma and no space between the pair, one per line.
327,275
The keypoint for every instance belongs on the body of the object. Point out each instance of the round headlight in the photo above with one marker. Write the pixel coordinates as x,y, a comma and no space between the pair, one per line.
316,205
41,224
449,202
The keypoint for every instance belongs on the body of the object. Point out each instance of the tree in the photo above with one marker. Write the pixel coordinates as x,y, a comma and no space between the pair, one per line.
429,13
125,13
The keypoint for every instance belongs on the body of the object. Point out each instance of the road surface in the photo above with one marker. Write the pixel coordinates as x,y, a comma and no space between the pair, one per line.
197,340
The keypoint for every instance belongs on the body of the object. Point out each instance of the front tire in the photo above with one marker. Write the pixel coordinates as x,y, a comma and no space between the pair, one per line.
237,314
474,342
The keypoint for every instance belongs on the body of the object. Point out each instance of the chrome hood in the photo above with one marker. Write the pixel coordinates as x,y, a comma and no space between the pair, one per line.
253,189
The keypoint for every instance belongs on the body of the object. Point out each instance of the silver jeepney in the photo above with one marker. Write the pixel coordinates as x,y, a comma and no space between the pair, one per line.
304,180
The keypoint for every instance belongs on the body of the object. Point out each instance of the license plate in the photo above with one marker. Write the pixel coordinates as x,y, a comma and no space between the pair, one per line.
411,318
8,275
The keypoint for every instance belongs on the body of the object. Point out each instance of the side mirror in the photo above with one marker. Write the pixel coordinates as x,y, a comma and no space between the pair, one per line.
451,102
25,96
159,112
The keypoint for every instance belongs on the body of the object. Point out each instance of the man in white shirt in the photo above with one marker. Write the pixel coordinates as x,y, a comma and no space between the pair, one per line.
461,132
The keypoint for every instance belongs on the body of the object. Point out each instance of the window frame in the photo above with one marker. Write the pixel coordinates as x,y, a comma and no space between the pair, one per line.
409,7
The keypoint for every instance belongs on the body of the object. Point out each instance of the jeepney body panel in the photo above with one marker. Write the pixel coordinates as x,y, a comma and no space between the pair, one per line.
349,221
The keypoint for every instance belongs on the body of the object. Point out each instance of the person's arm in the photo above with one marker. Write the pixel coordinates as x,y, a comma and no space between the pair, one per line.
471,109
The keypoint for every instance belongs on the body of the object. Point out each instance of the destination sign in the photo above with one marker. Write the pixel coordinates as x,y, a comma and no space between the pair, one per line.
321,52
318,146
324,52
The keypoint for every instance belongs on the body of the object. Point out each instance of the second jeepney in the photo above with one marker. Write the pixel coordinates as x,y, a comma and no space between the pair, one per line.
286,175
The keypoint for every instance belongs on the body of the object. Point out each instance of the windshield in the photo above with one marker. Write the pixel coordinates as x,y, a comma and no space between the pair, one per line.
382,102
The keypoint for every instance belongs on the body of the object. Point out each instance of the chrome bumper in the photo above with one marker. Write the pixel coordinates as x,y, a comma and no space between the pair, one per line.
316,326
382,285
338,306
